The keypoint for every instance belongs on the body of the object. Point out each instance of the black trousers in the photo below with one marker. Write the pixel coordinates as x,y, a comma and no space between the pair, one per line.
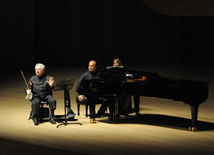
36,104
124,103
105,102
93,102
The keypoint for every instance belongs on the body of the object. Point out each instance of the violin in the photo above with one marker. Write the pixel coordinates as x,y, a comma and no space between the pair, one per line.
30,85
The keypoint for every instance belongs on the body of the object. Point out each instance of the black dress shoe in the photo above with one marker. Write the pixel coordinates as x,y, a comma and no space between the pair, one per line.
41,120
35,120
52,119
101,115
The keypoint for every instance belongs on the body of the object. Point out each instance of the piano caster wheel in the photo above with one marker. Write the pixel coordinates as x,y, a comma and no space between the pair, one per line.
193,129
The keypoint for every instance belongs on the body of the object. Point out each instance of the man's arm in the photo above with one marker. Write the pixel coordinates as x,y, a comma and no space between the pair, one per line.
78,86
79,83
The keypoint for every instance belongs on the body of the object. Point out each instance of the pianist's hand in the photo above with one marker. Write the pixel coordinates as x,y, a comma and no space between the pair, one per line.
81,98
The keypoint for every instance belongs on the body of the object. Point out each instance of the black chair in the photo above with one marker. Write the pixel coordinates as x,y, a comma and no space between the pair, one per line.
44,111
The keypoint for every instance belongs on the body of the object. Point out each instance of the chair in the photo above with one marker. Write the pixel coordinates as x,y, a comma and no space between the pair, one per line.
86,104
44,112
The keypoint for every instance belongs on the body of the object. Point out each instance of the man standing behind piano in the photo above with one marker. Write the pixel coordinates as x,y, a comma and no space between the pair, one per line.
91,74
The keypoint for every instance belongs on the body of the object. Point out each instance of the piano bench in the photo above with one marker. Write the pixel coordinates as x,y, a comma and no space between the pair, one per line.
86,103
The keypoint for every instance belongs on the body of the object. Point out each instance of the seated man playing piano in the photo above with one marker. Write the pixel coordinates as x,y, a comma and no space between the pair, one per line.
125,106
124,100
91,74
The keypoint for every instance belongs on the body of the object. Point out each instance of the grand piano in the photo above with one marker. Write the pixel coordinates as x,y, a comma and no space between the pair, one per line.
117,80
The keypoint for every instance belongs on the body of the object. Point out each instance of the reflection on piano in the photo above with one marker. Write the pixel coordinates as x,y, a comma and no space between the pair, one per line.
119,80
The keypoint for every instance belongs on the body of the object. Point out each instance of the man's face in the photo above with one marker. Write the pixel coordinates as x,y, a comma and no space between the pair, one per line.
38,70
92,66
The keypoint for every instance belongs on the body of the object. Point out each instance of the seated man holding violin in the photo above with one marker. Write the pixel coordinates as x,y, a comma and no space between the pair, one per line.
41,86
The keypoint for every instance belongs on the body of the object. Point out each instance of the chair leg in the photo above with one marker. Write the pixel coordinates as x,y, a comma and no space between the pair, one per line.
31,115
78,109
86,110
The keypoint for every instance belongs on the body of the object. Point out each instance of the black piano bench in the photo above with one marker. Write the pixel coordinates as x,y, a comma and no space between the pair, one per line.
86,103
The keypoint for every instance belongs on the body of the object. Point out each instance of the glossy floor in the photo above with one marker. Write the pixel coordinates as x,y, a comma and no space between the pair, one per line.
161,129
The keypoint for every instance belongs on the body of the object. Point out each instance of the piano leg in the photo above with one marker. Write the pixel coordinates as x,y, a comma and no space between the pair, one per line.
194,113
114,108
136,104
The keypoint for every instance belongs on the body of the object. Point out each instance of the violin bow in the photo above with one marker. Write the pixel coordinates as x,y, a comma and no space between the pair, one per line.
24,78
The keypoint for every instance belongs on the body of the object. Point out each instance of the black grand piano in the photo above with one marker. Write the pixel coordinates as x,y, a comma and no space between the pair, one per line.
116,80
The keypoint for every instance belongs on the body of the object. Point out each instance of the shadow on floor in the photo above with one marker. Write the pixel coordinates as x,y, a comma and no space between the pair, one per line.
9,147
163,121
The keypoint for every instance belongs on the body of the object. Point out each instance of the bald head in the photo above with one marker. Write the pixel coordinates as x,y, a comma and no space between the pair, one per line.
92,66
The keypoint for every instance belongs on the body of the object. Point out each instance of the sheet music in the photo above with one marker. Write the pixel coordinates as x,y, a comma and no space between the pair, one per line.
109,67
